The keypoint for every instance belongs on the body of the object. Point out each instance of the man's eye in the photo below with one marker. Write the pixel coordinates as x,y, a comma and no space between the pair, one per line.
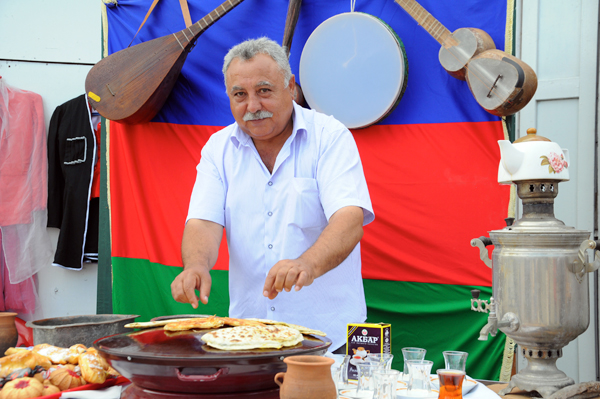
264,90
238,94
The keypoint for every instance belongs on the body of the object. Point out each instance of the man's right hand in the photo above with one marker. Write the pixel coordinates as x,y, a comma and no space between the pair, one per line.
199,252
184,287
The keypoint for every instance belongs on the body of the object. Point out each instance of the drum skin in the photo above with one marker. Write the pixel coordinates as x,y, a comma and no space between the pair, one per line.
180,362
354,67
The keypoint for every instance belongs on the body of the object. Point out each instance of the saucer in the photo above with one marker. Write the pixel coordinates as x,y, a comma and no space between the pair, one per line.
402,393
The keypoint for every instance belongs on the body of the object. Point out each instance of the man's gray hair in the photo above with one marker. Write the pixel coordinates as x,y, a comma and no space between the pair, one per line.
250,48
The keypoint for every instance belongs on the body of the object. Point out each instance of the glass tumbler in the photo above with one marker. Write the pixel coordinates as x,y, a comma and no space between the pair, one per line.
366,383
455,360
411,353
384,358
450,383
342,382
385,384
419,380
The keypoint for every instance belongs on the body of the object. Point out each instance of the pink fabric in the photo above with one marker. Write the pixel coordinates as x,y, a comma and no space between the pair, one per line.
20,297
22,151
25,246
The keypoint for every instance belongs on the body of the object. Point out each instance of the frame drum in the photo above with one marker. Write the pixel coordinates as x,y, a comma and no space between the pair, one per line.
353,67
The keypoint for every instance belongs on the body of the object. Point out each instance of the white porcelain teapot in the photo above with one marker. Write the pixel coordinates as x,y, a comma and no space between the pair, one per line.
532,157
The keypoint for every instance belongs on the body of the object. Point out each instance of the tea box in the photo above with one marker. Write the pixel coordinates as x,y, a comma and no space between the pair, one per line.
364,339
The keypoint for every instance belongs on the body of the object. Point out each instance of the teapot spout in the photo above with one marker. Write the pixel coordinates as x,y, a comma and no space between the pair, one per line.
511,158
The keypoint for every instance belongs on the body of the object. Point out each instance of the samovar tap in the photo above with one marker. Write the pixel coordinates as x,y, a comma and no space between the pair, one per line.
509,322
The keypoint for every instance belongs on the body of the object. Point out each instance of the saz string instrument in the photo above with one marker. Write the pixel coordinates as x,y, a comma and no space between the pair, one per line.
131,85
501,83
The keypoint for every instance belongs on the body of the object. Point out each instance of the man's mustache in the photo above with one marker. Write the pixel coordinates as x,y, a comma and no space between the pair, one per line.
253,116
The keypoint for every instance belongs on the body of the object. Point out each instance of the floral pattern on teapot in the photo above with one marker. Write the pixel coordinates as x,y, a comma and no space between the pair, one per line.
556,163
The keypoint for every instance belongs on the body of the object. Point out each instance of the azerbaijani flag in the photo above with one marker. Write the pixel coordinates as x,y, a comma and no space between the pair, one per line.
431,166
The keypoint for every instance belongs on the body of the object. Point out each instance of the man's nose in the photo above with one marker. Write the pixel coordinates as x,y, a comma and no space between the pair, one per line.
254,104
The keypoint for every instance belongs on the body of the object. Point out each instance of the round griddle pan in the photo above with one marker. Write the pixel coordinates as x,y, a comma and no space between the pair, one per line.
181,362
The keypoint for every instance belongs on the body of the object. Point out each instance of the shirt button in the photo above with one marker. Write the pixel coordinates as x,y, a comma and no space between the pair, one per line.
270,213
272,308
270,183
270,246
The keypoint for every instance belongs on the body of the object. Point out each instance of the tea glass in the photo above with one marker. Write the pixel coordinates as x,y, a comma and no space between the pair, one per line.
411,353
366,385
455,360
384,358
339,372
385,384
450,383
419,381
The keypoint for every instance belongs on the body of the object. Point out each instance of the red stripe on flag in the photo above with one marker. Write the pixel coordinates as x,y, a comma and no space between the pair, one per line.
153,169
434,188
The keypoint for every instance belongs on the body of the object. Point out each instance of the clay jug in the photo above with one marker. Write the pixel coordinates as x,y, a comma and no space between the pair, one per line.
307,377
8,331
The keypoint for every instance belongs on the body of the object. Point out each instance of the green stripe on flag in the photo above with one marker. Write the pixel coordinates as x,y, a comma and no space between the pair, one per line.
144,288
436,317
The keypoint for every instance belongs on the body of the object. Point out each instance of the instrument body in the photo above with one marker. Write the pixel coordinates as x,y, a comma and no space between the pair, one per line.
132,85
460,47
514,82
501,83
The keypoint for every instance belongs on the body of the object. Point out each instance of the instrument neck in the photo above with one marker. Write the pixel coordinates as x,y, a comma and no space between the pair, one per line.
290,24
199,27
426,20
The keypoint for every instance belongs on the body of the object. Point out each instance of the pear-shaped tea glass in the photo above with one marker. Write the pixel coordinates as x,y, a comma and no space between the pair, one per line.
419,380
411,353
366,383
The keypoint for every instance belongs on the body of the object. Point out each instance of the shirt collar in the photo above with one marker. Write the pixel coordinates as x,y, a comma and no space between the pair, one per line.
238,137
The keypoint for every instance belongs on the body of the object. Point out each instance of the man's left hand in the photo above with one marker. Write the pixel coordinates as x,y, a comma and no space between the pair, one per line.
286,274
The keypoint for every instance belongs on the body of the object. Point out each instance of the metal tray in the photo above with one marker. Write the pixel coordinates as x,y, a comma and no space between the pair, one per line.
68,331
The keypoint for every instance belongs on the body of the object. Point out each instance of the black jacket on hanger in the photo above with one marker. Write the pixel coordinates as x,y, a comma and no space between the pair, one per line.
72,151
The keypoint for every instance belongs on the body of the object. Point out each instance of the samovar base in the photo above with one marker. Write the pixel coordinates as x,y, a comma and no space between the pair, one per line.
541,374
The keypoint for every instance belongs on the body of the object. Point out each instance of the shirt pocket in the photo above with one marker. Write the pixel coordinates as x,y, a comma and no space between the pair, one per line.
75,150
307,204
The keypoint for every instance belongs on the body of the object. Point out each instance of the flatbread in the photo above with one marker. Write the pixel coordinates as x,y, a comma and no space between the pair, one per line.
158,323
302,329
253,337
229,321
195,324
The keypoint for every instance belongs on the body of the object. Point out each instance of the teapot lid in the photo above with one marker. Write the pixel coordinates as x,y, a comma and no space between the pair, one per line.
531,136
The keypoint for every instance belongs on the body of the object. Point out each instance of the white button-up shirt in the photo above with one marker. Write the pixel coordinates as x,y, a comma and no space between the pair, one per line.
270,217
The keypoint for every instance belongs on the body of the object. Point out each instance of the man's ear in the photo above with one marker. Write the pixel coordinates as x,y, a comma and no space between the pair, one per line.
292,87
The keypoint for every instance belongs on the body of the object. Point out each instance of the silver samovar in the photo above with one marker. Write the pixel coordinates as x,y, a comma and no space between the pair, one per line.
539,267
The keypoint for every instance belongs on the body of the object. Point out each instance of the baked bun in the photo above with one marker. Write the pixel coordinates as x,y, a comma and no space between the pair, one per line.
66,378
93,367
22,388
22,360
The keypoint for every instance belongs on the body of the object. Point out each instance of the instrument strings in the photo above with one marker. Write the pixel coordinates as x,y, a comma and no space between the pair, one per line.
481,79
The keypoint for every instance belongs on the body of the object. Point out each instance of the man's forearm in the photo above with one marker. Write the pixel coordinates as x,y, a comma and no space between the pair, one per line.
337,240
200,243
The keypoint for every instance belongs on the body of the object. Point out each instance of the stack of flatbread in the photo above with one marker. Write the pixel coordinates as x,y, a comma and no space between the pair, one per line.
253,337
240,334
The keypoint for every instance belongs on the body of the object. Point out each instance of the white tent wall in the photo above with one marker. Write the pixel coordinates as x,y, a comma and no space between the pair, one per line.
48,48
559,40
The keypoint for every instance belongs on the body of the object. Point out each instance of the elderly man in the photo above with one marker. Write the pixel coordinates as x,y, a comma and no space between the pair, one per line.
288,186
